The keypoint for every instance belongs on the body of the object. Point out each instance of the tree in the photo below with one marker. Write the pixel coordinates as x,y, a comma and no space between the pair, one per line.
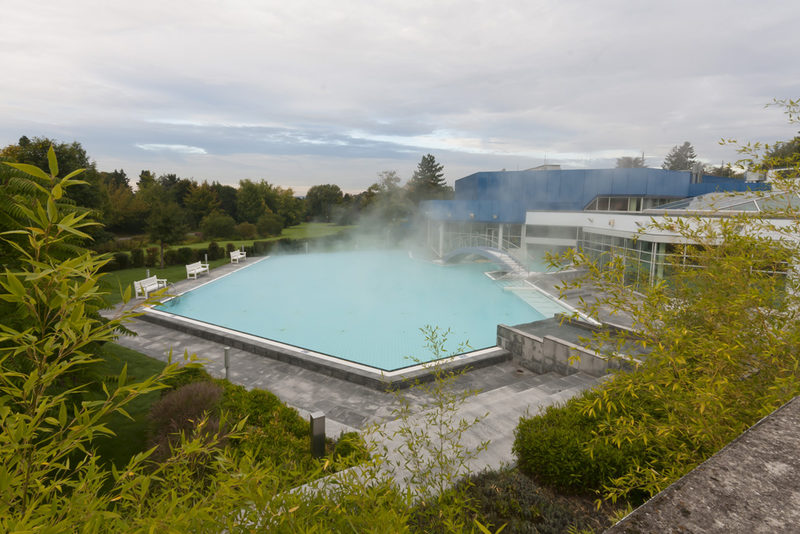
250,203
322,199
680,158
386,200
166,225
200,201
785,154
269,224
627,162
725,171
217,224
176,189
226,195
292,210
70,156
124,211
428,181
146,179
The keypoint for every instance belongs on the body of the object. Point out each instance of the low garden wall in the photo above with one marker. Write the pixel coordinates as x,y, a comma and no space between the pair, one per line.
550,354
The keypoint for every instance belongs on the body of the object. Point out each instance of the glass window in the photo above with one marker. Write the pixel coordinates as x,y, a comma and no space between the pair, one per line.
618,204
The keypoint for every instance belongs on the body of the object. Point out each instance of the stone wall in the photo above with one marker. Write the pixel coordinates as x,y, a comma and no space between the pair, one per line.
551,354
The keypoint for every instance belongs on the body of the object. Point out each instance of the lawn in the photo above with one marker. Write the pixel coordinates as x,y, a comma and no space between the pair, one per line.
131,436
301,231
117,281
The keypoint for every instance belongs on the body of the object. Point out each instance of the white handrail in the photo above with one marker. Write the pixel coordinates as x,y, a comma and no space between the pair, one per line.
456,241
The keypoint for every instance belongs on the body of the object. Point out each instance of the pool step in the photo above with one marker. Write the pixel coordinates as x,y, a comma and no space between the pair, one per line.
534,297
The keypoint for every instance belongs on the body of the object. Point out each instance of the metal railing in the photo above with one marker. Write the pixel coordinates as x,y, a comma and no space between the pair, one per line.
456,241
518,264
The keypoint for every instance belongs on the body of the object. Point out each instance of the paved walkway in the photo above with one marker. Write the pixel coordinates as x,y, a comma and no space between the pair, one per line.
506,392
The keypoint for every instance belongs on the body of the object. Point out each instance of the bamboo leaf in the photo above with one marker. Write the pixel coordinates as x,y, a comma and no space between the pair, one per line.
52,162
31,170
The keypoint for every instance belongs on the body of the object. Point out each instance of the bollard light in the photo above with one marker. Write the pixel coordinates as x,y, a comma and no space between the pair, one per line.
317,420
227,362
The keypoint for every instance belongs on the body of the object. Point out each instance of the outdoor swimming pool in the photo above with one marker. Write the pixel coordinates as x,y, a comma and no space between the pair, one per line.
364,307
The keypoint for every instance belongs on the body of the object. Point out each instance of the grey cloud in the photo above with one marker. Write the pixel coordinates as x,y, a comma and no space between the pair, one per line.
295,84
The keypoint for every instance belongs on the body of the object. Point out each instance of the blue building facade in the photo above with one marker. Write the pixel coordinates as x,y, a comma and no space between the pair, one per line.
506,196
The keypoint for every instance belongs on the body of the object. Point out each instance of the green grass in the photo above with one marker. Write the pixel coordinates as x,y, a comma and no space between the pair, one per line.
131,436
301,231
115,282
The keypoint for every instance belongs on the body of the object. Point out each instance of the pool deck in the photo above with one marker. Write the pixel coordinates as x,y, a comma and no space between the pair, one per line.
505,391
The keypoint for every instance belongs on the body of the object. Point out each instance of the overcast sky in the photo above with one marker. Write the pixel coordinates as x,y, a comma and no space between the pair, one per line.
308,92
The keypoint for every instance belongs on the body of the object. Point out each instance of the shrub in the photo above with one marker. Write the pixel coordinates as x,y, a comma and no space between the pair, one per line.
180,411
217,224
551,447
137,257
151,258
245,230
275,431
185,255
188,374
111,265
122,259
171,257
351,446
214,251
261,248
509,498
229,247
269,224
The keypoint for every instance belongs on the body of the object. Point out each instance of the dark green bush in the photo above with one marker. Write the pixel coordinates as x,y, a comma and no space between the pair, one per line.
262,248
350,445
137,257
187,375
111,265
152,257
510,498
551,448
186,255
269,224
245,230
214,251
171,257
218,224
274,430
122,259
181,410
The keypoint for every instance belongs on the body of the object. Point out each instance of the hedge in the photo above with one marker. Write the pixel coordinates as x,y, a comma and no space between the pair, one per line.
551,447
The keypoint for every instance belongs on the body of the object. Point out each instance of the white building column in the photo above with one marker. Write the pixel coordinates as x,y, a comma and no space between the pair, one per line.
500,236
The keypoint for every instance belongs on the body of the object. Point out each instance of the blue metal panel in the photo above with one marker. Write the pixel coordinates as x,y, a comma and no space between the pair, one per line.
505,196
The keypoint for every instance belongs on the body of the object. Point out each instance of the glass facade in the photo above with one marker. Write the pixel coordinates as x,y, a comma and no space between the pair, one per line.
623,203
645,262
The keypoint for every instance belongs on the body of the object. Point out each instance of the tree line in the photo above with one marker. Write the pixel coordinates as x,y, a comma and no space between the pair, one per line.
168,206
684,158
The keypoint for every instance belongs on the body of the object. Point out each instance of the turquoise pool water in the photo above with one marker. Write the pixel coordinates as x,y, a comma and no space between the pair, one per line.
366,307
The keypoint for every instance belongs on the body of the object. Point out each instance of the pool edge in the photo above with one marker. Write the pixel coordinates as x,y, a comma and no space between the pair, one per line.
325,364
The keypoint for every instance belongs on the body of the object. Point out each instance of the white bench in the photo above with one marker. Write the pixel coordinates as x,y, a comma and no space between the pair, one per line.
237,255
193,269
144,287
